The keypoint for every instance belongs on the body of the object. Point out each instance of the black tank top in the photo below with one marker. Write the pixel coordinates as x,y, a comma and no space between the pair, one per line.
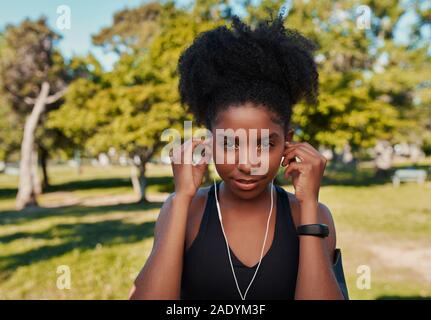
207,273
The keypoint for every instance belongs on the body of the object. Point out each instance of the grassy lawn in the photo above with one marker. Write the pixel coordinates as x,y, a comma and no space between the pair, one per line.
88,223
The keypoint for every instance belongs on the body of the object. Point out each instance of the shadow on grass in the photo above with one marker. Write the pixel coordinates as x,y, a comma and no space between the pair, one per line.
32,214
81,236
8,193
90,184
161,184
359,178
346,177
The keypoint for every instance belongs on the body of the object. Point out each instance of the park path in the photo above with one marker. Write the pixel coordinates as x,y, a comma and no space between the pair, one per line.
69,199
405,254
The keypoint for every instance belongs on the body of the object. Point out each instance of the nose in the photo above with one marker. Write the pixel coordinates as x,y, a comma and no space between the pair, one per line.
247,160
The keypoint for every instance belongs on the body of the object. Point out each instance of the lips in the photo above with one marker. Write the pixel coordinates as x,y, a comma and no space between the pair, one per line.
246,181
246,184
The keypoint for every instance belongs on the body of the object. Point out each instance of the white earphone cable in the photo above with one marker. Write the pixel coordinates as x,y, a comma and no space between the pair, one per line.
227,243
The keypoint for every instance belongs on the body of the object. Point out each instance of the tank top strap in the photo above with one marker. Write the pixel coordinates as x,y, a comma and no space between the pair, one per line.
285,209
209,207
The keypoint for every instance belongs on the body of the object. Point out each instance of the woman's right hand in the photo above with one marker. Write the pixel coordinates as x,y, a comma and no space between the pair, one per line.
188,177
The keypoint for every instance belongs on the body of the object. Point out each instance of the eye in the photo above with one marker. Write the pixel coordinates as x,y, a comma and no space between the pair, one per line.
265,144
230,144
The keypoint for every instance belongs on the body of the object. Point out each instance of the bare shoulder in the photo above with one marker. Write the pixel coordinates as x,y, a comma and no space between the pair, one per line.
324,216
195,210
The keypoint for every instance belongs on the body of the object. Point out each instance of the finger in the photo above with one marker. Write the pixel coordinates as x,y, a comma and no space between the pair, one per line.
294,166
188,149
315,155
302,150
203,151
292,146
287,160
206,157
305,146
185,151
300,153
202,163
176,153
308,147
291,143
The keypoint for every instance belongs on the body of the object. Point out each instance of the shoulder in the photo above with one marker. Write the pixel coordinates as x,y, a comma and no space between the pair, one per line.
194,214
198,199
324,216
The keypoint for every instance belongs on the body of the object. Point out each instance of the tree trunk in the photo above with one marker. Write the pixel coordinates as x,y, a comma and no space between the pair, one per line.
139,182
383,159
143,182
44,165
35,172
26,192
134,176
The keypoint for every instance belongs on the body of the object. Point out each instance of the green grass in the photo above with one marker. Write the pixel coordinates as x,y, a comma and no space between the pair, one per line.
106,245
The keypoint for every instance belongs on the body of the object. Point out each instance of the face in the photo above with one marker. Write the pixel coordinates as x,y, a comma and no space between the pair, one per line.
237,175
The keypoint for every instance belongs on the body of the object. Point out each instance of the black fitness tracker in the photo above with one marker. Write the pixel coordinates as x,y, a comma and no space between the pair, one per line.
318,230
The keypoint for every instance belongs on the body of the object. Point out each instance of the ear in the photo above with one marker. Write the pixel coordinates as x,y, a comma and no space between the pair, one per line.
289,137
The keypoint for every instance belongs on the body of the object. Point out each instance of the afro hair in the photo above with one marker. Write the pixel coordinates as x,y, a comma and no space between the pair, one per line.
270,65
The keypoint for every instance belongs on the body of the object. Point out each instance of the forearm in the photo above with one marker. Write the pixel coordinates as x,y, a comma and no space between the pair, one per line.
316,278
161,276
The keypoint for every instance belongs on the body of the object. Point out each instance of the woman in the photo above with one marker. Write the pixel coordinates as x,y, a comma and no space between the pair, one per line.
244,238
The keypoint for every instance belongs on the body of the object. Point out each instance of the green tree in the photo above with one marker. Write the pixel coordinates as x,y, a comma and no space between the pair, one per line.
10,132
129,107
33,79
368,81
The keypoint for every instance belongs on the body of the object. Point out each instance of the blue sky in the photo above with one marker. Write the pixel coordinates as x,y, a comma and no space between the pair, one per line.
87,18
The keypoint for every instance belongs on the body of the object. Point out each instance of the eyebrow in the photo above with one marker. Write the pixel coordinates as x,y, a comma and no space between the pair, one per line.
274,135
271,135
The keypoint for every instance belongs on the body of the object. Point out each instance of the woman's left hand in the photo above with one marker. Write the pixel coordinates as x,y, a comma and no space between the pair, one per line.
307,174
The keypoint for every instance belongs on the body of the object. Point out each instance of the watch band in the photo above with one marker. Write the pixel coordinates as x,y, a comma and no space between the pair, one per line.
319,230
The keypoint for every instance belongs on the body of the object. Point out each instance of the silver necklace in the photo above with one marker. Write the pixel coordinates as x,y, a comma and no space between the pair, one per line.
227,243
